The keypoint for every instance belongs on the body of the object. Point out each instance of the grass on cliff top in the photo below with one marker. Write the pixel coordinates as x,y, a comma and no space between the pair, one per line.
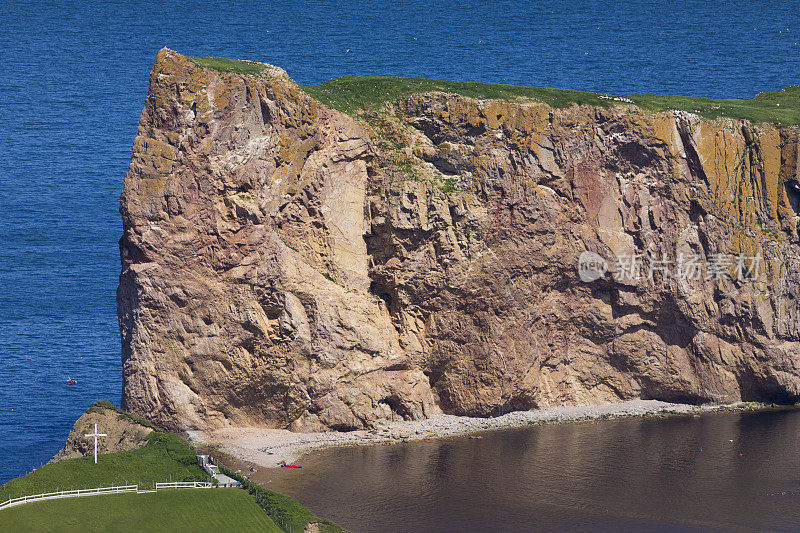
352,93
221,64
781,108
101,405
196,510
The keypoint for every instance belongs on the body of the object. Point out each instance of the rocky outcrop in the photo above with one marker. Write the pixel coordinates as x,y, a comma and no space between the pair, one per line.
123,432
287,265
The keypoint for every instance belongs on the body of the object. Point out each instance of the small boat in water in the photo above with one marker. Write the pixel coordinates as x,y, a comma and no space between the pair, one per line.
284,465
71,381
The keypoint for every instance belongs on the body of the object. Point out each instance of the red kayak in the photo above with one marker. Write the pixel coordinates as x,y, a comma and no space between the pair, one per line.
284,465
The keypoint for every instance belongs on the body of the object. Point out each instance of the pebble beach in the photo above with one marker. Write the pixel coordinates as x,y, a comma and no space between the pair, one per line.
271,447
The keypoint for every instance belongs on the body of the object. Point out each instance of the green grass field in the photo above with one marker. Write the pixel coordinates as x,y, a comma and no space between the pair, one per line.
190,510
351,94
166,457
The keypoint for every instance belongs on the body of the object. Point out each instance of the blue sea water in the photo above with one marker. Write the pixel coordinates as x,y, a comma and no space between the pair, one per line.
73,79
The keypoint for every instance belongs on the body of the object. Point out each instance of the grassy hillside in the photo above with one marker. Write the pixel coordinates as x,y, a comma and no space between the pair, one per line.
196,510
101,405
350,94
165,457
289,514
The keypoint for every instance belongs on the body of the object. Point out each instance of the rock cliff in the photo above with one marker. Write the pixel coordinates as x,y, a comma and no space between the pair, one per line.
288,265
123,432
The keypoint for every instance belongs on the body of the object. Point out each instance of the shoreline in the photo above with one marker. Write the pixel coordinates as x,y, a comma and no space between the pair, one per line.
269,447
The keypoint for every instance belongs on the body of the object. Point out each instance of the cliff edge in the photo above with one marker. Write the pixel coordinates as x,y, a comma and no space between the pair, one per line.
285,264
122,432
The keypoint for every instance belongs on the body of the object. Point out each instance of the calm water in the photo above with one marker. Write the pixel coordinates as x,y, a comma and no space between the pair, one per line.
73,78
682,474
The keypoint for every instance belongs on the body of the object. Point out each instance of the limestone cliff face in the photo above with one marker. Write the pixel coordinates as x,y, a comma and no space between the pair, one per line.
286,265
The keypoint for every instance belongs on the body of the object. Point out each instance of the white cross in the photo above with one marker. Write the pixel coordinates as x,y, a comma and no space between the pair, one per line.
95,435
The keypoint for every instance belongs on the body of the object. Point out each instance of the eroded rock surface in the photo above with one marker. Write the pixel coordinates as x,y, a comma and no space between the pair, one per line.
287,265
123,433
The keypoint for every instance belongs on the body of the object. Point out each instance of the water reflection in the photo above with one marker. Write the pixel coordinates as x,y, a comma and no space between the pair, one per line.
715,472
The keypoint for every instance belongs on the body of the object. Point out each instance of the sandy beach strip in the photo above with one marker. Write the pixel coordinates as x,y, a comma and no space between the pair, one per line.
270,447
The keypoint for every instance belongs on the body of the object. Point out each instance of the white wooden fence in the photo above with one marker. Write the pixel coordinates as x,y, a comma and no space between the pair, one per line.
101,490
184,485
69,494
